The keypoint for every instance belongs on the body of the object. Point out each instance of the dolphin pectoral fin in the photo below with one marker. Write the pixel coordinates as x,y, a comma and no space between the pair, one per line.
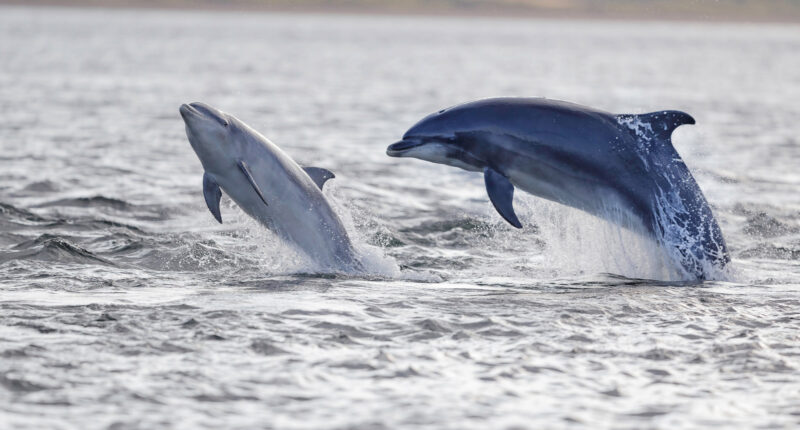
247,174
212,193
319,175
501,193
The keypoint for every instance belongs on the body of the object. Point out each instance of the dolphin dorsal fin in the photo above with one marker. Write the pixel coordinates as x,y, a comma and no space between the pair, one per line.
659,124
319,175
501,193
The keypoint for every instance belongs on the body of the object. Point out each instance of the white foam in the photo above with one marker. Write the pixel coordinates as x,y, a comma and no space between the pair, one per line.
581,244
373,261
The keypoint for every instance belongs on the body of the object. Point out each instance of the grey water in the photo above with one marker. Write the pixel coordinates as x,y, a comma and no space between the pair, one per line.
124,305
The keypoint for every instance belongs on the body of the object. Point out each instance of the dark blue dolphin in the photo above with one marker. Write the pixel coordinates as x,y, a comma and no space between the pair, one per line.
622,168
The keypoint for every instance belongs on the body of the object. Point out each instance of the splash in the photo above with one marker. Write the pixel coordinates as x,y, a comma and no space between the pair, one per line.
373,261
243,244
578,243
277,257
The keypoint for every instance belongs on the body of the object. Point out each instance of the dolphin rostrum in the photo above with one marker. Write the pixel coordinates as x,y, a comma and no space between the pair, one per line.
622,168
268,185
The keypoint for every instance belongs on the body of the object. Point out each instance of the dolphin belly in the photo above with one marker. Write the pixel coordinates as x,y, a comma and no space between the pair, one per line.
595,197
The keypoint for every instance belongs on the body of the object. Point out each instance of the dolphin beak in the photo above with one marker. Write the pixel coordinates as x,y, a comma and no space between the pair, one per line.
398,148
188,110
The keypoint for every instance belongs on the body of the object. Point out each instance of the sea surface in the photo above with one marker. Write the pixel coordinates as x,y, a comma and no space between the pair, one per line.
124,305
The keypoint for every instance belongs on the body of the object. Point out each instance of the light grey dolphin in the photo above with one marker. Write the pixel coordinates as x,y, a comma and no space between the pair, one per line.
622,168
268,185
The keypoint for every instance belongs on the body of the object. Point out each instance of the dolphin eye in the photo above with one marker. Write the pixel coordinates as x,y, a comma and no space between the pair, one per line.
224,123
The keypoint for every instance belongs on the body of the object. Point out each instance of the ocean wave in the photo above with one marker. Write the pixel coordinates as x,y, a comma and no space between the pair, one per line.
51,248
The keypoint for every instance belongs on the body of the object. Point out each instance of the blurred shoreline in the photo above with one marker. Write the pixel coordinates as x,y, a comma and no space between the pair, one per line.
778,11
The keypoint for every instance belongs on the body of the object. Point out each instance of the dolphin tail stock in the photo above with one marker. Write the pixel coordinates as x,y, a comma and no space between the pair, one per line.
685,224
682,219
